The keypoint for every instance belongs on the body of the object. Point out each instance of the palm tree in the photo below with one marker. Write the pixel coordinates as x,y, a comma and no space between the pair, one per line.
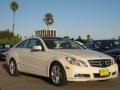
89,37
14,6
48,19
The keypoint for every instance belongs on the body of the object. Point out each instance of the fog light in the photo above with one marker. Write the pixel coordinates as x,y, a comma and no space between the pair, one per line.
114,73
82,75
67,67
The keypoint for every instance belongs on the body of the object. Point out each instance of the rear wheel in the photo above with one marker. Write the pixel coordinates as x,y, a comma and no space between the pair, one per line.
57,74
13,71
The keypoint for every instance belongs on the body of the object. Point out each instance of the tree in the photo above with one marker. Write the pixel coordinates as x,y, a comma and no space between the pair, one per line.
89,37
48,19
14,6
7,37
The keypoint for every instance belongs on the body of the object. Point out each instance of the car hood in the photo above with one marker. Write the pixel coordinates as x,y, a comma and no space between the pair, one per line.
82,53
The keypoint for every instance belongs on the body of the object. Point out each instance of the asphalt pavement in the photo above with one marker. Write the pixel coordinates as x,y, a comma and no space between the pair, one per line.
32,82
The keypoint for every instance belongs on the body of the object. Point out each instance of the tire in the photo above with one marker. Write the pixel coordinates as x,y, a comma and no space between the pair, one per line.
57,74
13,71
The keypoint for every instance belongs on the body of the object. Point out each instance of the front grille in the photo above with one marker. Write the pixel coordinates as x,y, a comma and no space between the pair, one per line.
100,63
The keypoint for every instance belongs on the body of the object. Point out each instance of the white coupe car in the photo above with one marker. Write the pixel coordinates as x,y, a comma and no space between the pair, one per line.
61,60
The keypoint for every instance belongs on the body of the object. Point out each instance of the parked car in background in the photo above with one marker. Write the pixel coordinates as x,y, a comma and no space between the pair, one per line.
3,50
115,53
102,45
60,59
110,47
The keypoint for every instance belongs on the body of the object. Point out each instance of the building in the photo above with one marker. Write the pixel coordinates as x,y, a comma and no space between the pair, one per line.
42,33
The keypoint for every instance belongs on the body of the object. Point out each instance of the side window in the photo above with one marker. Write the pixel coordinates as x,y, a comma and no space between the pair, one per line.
34,42
22,44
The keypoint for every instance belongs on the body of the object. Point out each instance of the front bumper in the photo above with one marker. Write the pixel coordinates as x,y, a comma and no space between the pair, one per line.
90,73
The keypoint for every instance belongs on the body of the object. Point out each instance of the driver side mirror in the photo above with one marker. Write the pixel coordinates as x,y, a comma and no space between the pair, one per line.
37,48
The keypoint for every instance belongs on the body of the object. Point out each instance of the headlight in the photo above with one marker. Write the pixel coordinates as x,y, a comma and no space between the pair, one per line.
76,62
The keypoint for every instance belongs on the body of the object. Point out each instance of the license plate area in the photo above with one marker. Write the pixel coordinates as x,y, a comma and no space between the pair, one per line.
104,72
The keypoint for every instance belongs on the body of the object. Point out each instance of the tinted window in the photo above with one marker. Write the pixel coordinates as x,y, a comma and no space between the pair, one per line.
33,42
22,44
103,45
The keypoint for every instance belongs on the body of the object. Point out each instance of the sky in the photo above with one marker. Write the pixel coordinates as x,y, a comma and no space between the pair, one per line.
99,18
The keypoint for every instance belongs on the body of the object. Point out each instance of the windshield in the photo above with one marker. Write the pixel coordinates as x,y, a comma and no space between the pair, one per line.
61,43
106,44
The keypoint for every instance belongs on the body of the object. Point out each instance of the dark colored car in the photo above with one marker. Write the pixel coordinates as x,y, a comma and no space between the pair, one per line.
115,53
110,47
3,50
102,45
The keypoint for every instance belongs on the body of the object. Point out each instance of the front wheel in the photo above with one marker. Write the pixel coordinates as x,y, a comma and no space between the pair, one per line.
13,68
57,74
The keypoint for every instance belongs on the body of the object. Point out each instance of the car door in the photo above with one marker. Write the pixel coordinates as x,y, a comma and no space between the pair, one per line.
20,52
36,61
